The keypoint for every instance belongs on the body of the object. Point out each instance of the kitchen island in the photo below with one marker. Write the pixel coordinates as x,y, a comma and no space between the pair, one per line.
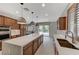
25,45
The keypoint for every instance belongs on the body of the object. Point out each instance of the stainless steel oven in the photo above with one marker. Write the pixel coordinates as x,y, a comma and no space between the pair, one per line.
4,32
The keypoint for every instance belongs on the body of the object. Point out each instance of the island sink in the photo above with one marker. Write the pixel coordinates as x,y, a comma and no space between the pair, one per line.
65,43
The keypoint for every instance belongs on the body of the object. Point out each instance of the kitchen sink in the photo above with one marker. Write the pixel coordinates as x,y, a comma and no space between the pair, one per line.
65,43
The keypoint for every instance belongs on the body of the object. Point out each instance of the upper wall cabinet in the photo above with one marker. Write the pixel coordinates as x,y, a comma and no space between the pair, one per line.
1,20
23,29
6,21
62,23
10,22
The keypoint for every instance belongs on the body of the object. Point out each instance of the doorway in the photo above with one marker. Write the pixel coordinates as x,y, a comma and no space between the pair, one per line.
44,29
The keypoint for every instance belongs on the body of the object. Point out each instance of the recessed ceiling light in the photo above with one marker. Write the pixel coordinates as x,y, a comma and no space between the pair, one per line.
28,17
43,5
46,14
17,12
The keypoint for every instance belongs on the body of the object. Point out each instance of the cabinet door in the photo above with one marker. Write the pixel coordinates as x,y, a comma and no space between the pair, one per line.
39,42
7,21
23,29
0,45
28,49
17,26
35,46
13,23
1,20
10,22
62,23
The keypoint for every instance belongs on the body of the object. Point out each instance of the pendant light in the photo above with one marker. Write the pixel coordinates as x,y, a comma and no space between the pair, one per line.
21,19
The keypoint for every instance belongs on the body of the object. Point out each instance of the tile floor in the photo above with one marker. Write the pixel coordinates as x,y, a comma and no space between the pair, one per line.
46,48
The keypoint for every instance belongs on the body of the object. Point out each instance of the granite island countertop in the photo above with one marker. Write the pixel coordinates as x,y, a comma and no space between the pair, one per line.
23,40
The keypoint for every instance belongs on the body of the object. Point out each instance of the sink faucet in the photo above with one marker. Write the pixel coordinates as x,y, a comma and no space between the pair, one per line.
73,41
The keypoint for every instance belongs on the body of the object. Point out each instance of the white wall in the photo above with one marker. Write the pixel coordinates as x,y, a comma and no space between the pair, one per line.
52,28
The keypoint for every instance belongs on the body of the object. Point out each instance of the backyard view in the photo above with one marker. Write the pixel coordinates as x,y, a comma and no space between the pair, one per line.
44,29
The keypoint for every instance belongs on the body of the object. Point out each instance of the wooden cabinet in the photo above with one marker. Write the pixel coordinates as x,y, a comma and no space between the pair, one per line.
28,49
62,23
6,21
16,26
0,45
22,29
1,20
35,46
39,41
32,47
11,22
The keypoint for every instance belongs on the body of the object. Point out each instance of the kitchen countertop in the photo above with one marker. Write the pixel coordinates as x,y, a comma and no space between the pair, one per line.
24,40
63,50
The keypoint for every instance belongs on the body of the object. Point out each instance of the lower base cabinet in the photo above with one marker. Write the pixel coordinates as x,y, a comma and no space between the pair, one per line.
0,45
28,49
33,46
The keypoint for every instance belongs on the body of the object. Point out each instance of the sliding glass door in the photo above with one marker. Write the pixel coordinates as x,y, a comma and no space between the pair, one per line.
44,29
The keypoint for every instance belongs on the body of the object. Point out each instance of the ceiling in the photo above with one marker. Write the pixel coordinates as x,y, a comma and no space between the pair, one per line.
50,12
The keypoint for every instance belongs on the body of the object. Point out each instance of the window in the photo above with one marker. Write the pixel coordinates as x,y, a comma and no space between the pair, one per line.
71,21
77,18
43,28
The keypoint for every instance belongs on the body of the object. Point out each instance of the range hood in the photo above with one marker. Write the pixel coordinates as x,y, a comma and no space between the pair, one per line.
21,20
